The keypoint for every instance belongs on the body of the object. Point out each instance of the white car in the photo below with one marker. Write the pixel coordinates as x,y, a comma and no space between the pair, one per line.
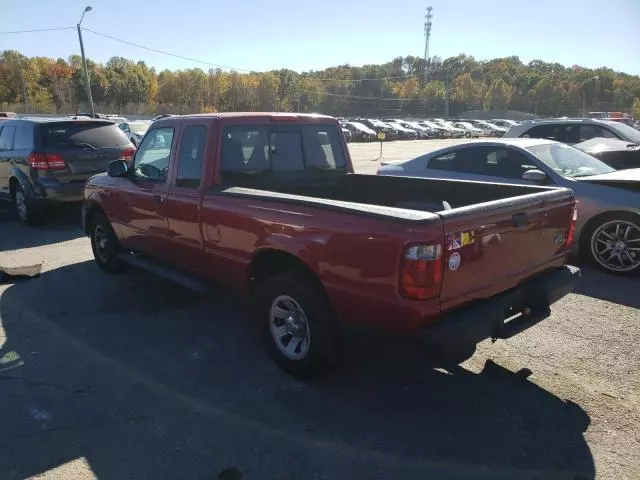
134,131
455,131
504,123
469,130
423,131
489,129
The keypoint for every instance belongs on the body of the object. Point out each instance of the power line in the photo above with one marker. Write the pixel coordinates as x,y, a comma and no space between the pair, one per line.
37,30
243,70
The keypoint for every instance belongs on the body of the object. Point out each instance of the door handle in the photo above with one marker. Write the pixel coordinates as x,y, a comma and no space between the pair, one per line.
520,220
157,200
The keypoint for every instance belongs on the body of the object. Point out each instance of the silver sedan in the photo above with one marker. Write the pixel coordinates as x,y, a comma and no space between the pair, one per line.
608,228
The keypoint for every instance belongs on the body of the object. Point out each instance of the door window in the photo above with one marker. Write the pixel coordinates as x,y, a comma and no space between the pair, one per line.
588,131
152,158
190,156
506,163
6,138
446,161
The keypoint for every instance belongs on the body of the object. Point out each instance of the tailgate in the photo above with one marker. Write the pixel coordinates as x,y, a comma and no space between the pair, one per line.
497,244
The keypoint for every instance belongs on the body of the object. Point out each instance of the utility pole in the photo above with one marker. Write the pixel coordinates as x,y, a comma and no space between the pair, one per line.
24,92
84,64
427,35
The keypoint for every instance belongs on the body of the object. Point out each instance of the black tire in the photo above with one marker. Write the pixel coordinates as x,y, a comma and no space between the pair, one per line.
23,206
588,242
467,134
322,351
105,245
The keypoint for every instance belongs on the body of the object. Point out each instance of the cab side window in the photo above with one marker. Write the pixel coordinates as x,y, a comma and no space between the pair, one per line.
190,156
152,158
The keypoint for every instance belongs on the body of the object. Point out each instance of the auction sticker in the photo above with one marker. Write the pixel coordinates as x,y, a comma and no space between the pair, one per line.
454,261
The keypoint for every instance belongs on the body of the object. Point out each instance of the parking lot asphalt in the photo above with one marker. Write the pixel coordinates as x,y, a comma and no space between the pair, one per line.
129,376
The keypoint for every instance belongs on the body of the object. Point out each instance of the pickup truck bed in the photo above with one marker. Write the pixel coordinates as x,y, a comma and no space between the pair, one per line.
393,253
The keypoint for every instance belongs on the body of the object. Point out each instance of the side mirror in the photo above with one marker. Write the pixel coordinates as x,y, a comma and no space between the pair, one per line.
117,168
536,176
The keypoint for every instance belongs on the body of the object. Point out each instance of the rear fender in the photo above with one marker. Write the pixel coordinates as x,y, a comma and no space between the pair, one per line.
18,175
293,246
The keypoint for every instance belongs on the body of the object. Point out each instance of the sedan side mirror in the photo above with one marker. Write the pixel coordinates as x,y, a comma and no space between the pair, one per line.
536,176
117,168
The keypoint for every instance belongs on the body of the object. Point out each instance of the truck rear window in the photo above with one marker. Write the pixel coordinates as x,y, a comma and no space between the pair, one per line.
252,149
98,135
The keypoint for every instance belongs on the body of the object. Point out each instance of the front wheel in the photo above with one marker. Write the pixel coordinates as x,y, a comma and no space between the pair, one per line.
613,244
297,325
105,245
467,134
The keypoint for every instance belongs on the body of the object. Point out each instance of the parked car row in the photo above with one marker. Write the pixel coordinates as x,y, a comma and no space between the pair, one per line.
368,129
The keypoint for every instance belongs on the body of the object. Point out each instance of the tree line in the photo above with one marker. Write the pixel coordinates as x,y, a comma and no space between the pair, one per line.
405,86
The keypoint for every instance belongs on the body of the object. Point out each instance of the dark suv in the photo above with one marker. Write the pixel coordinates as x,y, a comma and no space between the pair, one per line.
48,160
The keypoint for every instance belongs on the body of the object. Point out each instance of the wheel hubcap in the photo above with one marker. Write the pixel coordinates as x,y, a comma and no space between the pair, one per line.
21,205
289,327
101,243
616,245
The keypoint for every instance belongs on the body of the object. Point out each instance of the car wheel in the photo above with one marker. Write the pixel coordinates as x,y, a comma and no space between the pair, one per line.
297,325
613,244
467,134
105,245
23,207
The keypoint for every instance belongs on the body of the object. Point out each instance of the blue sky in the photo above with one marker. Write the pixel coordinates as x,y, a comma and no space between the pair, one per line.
306,34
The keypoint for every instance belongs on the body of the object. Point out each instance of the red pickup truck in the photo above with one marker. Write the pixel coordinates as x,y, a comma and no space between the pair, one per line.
269,203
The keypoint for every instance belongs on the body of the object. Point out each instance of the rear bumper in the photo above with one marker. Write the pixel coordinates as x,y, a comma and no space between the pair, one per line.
488,318
49,190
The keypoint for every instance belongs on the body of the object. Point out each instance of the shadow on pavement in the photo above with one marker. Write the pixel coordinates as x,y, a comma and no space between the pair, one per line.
59,225
608,287
145,380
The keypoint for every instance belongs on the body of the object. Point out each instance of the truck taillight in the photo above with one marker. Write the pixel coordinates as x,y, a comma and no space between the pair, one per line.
127,154
46,161
421,272
572,226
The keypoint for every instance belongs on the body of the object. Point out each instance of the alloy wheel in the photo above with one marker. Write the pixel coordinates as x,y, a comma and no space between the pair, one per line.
615,245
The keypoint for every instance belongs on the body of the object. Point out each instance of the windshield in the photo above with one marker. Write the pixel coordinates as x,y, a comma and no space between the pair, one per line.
139,127
628,133
569,161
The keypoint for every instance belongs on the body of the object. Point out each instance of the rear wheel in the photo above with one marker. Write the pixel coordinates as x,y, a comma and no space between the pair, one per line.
467,134
105,245
23,206
613,244
297,325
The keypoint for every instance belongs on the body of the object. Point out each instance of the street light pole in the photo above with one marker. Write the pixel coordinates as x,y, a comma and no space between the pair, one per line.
84,64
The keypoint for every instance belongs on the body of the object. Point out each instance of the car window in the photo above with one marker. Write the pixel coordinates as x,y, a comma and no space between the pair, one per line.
6,138
445,161
190,156
71,134
547,131
249,150
505,163
152,158
23,139
589,131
